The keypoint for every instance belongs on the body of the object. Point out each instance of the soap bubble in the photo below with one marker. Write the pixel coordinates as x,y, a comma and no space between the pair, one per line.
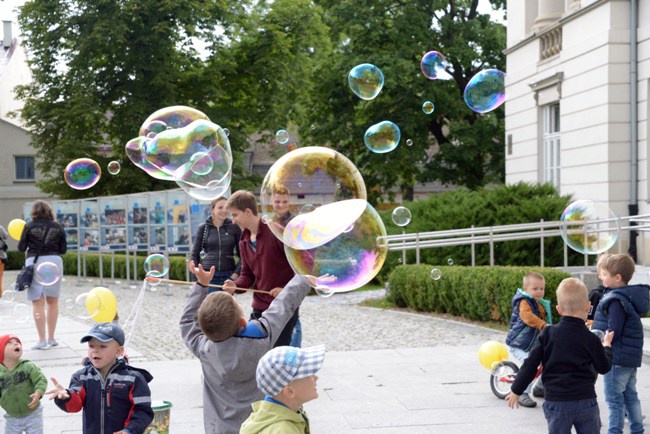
226,131
409,142
86,305
382,137
433,66
47,273
22,313
114,167
308,207
202,254
428,107
282,136
323,291
307,171
8,295
156,265
435,274
450,261
351,259
366,81
485,91
401,216
589,227
201,163
82,173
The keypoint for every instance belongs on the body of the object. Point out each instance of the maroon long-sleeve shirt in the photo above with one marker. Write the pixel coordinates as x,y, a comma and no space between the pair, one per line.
264,266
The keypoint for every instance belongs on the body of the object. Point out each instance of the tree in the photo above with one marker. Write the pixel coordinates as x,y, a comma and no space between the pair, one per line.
100,67
454,144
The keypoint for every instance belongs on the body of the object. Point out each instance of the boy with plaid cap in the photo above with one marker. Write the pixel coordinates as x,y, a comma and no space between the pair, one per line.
287,376
22,384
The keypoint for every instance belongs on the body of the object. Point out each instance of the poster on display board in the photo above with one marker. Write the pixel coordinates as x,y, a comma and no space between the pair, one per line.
157,221
89,214
138,210
89,239
67,213
112,220
178,230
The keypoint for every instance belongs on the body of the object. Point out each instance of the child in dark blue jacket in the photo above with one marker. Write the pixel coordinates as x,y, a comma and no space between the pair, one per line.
114,396
620,310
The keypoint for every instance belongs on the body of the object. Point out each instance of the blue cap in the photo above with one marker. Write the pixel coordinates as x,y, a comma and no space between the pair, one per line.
105,332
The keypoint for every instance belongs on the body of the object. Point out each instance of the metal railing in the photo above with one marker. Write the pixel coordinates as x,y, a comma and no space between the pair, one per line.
494,234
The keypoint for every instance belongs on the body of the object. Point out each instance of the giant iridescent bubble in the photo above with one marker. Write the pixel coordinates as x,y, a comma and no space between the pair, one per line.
589,227
354,257
82,173
382,137
311,175
175,144
485,91
366,81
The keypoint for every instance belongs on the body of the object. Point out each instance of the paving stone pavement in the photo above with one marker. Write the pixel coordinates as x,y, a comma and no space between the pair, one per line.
385,371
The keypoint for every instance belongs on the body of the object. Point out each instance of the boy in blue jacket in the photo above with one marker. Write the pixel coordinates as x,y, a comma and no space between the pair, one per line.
114,396
620,310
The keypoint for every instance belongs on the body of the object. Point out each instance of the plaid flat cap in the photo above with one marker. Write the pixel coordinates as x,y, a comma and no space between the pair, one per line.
280,366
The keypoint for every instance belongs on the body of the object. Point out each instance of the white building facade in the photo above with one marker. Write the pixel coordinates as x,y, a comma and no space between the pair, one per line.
578,98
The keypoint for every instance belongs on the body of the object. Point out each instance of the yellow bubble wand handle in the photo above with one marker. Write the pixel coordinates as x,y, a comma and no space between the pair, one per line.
182,282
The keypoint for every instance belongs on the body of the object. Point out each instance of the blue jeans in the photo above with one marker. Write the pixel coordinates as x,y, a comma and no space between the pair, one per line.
582,414
218,279
621,397
521,355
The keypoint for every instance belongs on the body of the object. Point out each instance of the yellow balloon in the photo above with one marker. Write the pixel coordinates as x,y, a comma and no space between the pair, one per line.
102,306
491,353
15,228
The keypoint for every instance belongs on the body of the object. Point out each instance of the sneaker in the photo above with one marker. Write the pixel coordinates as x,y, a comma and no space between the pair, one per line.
52,342
538,392
526,401
39,345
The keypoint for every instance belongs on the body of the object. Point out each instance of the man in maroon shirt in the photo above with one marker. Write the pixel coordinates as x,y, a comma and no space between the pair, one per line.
263,262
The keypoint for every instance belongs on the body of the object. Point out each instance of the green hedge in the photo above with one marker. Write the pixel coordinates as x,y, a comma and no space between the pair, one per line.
477,293
502,205
177,265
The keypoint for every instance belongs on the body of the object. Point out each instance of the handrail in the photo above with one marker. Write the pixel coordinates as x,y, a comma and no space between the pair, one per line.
491,234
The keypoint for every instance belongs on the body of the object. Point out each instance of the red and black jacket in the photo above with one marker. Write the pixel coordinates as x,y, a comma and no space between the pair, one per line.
121,401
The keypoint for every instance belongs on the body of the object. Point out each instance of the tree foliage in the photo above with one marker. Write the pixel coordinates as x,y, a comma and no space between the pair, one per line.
101,67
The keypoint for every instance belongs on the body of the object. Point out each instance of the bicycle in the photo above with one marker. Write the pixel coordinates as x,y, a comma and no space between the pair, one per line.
503,375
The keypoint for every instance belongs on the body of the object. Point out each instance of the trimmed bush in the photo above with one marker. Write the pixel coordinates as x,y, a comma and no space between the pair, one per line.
476,293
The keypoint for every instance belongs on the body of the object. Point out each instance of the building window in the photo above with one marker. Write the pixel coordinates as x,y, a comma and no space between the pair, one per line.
551,144
24,168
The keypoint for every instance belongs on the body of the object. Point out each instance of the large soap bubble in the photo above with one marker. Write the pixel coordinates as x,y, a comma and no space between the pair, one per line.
181,144
82,173
382,137
354,257
47,273
366,81
156,265
485,91
589,227
312,175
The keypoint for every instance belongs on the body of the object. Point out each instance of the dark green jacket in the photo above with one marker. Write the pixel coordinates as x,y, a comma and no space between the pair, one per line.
17,385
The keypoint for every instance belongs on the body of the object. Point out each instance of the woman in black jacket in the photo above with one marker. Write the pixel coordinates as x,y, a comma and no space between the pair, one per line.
217,243
44,237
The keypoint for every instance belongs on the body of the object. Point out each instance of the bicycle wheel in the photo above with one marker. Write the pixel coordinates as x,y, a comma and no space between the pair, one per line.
502,377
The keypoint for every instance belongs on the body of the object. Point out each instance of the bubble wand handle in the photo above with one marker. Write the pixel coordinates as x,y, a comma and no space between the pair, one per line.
182,282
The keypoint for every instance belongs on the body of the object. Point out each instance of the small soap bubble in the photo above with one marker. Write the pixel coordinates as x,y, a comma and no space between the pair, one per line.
485,91
324,291
86,305
435,274
227,132
202,254
366,81
382,137
450,261
428,107
307,208
282,136
22,313
201,163
313,127
8,296
69,303
82,173
156,265
47,273
114,167
401,216
433,65
409,142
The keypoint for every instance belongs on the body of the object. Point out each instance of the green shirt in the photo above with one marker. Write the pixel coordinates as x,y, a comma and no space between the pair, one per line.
17,385
270,418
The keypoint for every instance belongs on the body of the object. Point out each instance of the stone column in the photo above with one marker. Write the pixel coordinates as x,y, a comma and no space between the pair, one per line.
548,12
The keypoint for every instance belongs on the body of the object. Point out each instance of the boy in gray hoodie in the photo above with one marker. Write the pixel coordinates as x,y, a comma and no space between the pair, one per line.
215,330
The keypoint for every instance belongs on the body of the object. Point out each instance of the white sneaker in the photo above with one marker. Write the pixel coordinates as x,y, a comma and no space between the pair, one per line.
39,345
52,342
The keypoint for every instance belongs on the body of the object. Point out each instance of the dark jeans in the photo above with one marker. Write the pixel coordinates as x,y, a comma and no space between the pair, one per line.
285,336
218,279
583,414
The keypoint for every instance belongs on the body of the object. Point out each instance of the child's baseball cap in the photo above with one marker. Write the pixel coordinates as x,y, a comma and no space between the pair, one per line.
280,366
4,340
105,332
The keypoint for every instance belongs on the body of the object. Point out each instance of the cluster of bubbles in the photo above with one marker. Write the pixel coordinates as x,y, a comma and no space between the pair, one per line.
589,227
82,173
181,144
336,240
